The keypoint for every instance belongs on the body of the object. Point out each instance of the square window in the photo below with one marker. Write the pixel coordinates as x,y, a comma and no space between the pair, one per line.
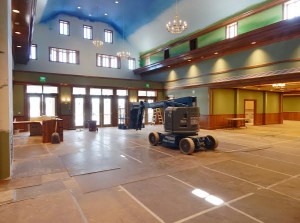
131,63
108,36
231,30
291,9
87,32
64,27
33,49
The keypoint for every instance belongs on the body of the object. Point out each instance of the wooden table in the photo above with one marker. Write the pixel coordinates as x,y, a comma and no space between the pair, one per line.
237,122
43,128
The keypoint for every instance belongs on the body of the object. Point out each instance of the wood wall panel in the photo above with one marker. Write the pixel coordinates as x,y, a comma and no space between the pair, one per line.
295,116
21,127
67,122
273,118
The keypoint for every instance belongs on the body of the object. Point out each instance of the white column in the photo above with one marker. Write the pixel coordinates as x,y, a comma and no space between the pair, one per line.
6,110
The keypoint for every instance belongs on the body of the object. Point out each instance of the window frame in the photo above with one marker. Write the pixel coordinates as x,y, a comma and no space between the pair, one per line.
33,46
107,61
85,29
66,30
108,36
229,28
131,63
68,53
290,4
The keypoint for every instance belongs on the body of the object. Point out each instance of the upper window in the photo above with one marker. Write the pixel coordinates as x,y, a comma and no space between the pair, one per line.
39,89
108,36
131,63
108,61
231,30
291,9
142,93
107,91
33,54
87,32
95,91
64,27
63,55
122,92
79,90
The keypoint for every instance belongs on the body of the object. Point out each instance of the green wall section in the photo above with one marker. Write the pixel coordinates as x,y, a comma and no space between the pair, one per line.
223,101
243,95
291,104
261,19
272,102
18,99
4,155
179,49
211,37
157,57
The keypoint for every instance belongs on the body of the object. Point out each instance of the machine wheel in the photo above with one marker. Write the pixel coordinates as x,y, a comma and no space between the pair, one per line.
210,142
153,138
186,146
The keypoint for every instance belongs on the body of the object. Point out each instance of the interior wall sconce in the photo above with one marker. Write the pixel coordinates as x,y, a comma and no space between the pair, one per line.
65,100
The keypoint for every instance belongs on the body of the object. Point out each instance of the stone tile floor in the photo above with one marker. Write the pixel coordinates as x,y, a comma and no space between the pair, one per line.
115,176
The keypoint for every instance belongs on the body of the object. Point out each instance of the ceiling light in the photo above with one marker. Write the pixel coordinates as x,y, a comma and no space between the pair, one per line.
17,33
79,7
116,2
16,11
17,23
253,43
177,25
19,46
216,53
105,14
279,86
189,60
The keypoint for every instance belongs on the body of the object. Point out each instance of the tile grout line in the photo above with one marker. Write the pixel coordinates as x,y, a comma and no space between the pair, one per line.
260,186
244,213
272,158
216,207
152,149
132,157
141,204
79,208
236,161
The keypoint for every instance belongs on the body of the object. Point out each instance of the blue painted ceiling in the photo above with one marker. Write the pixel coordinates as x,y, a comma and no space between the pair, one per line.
130,14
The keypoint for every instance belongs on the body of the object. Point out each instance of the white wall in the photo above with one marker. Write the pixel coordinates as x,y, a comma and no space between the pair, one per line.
47,35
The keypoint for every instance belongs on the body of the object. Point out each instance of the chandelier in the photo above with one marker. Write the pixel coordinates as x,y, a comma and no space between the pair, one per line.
123,53
177,25
97,42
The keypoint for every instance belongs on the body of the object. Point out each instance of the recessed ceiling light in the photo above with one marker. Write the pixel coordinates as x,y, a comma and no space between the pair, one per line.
19,46
105,14
116,2
18,33
90,14
16,11
79,7
17,23
189,60
253,43
216,53
169,66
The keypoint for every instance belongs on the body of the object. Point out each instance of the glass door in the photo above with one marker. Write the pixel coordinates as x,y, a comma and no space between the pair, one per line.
50,106
95,116
107,111
79,111
121,111
35,103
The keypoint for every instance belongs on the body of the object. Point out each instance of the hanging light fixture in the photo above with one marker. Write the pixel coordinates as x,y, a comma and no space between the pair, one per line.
97,42
123,53
176,26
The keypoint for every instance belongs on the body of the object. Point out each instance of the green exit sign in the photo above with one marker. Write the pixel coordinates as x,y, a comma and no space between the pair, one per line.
147,85
42,79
